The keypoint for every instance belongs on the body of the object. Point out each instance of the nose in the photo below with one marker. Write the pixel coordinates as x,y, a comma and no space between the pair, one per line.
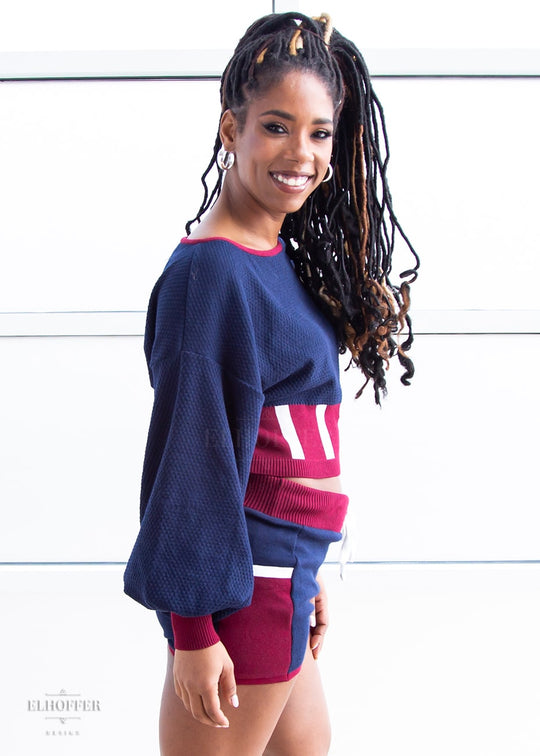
299,148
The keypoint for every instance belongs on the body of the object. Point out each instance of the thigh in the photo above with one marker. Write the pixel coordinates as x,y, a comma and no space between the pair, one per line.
303,728
251,725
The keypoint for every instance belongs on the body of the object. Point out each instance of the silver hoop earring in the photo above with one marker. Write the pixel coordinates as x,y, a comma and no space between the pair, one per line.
225,159
329,173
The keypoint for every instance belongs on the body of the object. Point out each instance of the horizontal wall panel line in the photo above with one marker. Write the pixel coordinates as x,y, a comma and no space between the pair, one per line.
132,323
355,563
475,321
63,564
208,64
393,76
81,323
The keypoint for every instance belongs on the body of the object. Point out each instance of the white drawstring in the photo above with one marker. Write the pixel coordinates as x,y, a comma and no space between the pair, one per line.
345,553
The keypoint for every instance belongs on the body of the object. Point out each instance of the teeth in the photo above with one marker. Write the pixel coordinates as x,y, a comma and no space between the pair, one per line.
291,180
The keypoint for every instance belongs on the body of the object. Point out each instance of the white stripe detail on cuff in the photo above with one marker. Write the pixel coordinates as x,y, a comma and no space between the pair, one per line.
288,431
269,571
323,432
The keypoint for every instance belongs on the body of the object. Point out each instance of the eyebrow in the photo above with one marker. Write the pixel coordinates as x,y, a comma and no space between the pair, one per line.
288,117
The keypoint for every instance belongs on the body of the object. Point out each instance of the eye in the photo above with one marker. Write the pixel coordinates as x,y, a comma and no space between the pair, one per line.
322,134
275,128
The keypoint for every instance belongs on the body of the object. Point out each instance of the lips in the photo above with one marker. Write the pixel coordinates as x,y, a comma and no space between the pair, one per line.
294,181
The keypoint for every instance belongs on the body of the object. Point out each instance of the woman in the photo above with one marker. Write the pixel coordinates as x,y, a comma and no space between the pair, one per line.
240,494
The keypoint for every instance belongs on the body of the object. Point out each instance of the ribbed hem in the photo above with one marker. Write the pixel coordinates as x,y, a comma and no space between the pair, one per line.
266,680
294,468
192,633
288,500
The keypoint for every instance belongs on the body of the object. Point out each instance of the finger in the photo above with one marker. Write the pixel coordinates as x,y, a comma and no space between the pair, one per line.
212,708
321,612
184,697
227,685
181,693
316,643
199,712
317,637
321,619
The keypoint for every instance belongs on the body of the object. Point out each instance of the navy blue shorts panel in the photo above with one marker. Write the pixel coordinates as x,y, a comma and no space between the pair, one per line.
267,640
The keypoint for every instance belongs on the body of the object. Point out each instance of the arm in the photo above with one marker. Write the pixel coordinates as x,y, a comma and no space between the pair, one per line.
192,556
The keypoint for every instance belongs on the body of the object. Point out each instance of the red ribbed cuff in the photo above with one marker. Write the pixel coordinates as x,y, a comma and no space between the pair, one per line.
192,633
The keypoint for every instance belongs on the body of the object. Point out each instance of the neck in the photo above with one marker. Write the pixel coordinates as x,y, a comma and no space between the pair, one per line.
239,218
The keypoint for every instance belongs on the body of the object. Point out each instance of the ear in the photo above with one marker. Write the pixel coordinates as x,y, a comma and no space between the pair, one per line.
228,128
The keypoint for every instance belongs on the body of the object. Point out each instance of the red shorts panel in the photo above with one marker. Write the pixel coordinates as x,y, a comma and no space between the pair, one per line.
258,638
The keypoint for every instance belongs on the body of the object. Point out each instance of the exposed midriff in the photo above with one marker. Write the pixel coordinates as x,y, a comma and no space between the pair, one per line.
324,484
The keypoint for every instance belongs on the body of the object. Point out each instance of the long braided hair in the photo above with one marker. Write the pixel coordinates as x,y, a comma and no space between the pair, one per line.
341,240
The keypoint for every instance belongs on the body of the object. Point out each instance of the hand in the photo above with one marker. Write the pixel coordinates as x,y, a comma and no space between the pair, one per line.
199,677
321,620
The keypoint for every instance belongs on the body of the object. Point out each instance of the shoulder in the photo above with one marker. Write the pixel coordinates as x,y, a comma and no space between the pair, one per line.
197,266
220,267
206,266
202,302
216,253
215,263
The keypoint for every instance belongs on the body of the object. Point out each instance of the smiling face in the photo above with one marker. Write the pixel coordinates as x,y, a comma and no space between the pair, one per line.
282,146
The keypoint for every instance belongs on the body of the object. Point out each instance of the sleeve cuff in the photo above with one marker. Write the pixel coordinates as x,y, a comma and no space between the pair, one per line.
192,633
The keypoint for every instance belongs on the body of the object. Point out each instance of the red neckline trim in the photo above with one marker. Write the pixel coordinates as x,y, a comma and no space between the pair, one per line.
260,252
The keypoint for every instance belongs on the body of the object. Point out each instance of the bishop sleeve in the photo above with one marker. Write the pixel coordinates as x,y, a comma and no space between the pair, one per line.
192,556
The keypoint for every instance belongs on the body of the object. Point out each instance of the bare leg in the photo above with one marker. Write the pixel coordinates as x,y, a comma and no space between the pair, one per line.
304,726
251,725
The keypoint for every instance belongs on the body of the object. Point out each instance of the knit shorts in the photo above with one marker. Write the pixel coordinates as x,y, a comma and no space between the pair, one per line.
290,528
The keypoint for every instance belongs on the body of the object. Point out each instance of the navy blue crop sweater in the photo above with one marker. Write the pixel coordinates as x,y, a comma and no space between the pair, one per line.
230,331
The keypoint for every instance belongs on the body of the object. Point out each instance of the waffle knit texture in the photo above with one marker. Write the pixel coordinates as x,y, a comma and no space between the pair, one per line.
229,332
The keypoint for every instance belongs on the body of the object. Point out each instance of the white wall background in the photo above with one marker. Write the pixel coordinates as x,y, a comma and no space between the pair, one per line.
439,612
